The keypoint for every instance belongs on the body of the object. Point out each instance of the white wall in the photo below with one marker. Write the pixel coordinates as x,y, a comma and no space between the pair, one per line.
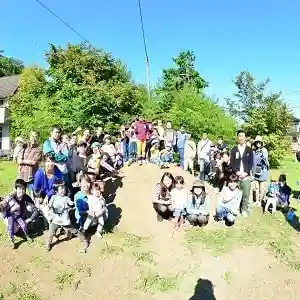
5,137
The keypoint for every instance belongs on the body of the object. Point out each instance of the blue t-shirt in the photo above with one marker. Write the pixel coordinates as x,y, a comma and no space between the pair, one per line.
81,205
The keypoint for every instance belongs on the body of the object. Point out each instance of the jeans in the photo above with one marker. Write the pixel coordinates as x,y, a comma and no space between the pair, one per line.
203,164
245,186
125,149
181,155
223,212
132,149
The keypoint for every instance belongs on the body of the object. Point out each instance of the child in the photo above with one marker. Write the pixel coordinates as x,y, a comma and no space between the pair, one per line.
283,198
229,201
198,205
58,213
272,194
120,146
81,200
97,212
13,208
154,152
166,156
179,201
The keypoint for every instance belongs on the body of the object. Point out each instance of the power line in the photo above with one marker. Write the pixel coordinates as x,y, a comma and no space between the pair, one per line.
63,21
145,46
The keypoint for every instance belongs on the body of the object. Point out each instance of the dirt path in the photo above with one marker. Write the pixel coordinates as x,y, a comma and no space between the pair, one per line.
143,256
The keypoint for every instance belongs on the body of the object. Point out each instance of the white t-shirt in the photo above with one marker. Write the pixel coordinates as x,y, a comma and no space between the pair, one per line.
179,198
241,149
204,149
96,204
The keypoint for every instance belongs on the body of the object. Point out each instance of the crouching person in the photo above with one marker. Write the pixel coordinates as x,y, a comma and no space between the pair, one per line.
58,213
198,205
229,201
14,209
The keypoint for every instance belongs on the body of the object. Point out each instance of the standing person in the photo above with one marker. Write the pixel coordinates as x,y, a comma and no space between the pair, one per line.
142,132
160,129
170,135
241,162
28,160
261,169
180,144
221,145
132,146
204,147
58,213
190,151
19,146
124,142
54,147
99,135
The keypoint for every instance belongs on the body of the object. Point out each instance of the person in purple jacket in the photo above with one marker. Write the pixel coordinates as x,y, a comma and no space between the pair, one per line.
45,177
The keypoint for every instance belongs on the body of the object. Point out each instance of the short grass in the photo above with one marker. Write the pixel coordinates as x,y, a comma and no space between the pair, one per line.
271,231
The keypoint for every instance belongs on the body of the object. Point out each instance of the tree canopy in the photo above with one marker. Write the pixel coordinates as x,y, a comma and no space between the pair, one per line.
262,113
10,66
82,87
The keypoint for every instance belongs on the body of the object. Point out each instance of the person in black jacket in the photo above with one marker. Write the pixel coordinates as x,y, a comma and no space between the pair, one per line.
241,162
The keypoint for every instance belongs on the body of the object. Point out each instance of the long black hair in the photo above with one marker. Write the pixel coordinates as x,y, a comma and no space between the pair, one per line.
163,189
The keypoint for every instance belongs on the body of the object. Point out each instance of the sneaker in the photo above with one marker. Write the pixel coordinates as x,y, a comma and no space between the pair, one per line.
140,163
12,243
48,247
29,239
99,235
159,218
244,214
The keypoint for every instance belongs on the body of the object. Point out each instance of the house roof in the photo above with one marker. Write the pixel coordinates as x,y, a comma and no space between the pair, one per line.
296,120
8,85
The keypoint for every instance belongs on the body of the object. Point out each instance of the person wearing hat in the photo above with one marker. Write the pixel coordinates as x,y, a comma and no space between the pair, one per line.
154,152
93,165
109,148
198,205
261,169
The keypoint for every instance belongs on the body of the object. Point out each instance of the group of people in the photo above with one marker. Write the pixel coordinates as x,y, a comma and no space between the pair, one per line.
63,180
233,173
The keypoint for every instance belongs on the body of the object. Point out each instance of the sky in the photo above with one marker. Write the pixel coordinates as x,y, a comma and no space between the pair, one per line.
227,37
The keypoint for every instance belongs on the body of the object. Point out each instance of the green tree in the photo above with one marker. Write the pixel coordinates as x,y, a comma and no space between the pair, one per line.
262,113
10,66
184,73
82,87
199,114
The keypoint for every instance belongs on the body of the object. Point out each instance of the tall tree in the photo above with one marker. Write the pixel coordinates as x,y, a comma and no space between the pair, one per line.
261,113
81,87
184,73
10,66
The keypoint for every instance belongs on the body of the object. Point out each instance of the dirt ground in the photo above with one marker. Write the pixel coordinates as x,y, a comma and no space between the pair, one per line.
142,260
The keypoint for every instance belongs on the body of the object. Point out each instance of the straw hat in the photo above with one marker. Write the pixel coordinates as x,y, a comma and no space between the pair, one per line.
258,139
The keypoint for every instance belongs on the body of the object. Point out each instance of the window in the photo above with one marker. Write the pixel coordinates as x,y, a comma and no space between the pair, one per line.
1,102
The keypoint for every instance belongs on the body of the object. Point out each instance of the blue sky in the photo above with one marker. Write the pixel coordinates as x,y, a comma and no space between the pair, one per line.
226,36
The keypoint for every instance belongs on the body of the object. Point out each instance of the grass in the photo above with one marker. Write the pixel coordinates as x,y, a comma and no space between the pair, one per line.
23,292
64,279
151,283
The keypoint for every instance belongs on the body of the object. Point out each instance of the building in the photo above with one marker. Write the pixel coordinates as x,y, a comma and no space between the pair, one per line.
8,86
295,128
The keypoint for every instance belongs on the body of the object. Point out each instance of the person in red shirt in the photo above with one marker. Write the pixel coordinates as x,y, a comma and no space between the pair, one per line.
142,133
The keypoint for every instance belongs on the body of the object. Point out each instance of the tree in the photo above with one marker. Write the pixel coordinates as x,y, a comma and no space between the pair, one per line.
10,66
82,87
183,74
261,113
199,114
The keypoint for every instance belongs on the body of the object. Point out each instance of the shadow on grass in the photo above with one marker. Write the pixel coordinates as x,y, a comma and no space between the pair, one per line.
204,290
294,223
